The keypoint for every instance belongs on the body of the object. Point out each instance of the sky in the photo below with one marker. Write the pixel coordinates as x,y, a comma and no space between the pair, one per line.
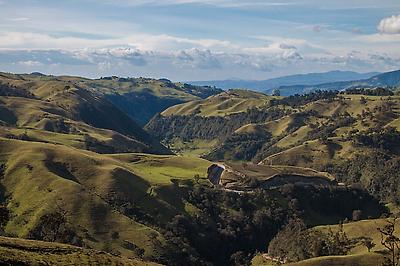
198,40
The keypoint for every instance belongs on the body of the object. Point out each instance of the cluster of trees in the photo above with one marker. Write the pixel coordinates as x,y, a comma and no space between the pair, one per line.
370,91
299,100
54,227
240,147
327,129
295,242
192,126
384,139
377,172
230,228
11,90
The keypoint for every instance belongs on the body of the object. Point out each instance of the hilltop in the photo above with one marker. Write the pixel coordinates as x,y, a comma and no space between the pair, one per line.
140,98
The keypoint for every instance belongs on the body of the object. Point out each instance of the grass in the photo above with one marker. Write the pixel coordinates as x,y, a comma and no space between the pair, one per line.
192,148
86,184
233,101
259,260
364,228
315,154
359,254
160,170
276,127
14,251
371,259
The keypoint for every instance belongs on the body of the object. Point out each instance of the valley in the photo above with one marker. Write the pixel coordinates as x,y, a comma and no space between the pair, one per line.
136,171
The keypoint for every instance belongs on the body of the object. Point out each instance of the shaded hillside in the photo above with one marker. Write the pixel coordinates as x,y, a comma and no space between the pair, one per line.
140,205
142,98
112,202
214,118
54,105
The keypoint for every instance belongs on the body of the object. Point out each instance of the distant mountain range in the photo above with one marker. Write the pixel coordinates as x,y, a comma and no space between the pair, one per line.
300,79
388,79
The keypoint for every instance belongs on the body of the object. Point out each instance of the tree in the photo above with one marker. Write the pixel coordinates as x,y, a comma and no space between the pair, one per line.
4,217
391,242
196,178
357,214
276,92
368,243
290,244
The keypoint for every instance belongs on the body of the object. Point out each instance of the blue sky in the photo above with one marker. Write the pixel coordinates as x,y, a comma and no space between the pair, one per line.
198,40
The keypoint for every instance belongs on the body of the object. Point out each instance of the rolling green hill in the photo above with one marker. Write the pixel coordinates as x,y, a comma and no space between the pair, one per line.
16,251
326,131
223,104
100,195
140,98
59,106
75,168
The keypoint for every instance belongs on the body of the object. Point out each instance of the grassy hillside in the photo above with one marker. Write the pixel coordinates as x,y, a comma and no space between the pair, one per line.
213,119
44,179
300,138
75,168
55,105
16,251
343,134
371,259
359,254
140,98
226,103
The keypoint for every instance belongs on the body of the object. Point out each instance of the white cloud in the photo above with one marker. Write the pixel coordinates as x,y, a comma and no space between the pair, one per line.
390,25
30,63
19,19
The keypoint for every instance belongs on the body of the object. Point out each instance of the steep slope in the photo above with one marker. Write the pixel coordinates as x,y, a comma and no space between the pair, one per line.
142,98
308,127
58,106
98,201
186,126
